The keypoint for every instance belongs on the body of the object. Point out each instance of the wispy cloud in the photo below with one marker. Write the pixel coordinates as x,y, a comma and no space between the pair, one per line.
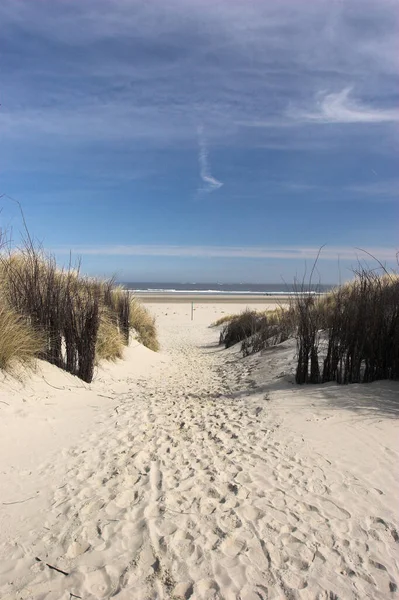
80,84
384,190
251,252
379,189
341,107
210,183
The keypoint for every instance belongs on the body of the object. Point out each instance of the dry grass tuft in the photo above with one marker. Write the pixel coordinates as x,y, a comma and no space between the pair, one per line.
20,344
110,341
258,329
143,323
61,316
223,320
240,327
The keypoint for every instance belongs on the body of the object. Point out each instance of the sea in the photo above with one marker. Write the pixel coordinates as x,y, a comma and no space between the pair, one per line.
265,289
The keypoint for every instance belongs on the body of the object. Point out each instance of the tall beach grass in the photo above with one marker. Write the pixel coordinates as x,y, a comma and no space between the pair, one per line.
20,344
352,334
63,317
349,335
143,324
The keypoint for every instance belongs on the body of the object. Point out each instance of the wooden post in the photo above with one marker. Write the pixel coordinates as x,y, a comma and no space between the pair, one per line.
192,310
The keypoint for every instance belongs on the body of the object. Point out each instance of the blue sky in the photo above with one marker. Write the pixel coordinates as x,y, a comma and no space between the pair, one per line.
198,140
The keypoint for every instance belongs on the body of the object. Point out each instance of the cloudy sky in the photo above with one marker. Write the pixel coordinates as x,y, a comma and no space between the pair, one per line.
202,140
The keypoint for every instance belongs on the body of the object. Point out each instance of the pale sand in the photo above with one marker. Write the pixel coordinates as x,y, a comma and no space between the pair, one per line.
195,473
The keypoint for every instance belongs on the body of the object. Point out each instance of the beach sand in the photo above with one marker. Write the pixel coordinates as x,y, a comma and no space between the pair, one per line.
196,473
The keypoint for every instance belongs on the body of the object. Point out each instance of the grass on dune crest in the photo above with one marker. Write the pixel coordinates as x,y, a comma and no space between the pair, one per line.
20,344
349,335
143,323
223,320
257,330
232,317
79,320
352,334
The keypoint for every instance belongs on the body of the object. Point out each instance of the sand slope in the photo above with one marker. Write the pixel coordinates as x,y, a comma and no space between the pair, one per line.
208,476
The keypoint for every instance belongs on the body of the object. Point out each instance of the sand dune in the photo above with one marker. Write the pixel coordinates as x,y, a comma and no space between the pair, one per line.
197,474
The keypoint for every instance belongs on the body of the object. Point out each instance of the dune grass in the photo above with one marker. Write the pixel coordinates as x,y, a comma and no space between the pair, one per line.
20,344
223,320
352,334
258,329
143,324
110,341
232,317
349,335
81,320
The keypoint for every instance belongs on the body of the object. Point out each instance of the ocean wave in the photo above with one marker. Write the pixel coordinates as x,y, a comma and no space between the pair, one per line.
217,292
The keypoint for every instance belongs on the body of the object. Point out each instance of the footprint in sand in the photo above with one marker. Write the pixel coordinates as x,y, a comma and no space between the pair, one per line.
98,583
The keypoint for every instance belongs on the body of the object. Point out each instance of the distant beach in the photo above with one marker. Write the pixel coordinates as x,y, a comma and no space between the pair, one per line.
231,293
223,298
214,289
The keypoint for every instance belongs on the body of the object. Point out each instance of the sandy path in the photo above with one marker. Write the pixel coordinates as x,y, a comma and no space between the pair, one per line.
186,489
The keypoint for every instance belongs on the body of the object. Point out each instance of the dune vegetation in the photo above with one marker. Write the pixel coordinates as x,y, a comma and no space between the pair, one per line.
19,342
142,323
110,341
349,335
258,329
63,317
223,320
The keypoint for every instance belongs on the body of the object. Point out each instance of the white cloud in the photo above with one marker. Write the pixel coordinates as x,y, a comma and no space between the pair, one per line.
379,189
251,252
211,184
371,191
340,107
138,71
